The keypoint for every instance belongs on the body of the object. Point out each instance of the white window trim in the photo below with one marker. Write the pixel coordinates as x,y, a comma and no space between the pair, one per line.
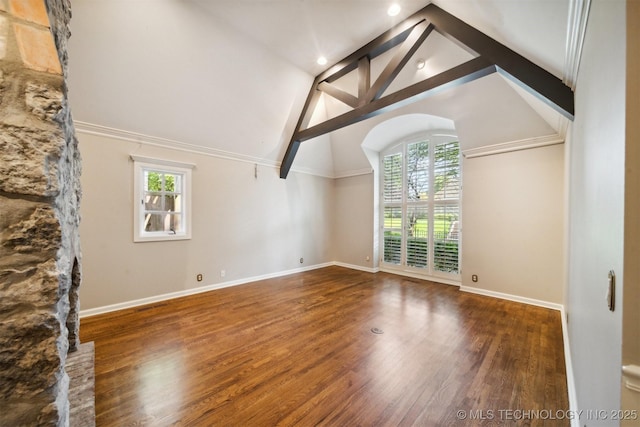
140,164
400,146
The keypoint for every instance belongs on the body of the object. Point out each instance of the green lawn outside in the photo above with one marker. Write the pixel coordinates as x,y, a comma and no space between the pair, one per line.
442,224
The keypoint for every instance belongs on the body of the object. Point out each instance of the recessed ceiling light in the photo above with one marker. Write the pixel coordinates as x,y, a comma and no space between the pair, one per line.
420,63
322,60
393,10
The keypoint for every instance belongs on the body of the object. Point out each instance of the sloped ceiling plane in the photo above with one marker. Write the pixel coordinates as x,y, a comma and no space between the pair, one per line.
368,99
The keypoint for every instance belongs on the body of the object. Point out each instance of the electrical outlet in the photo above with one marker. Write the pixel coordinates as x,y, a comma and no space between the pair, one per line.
474,278
368,258
199,277
223,273
301,260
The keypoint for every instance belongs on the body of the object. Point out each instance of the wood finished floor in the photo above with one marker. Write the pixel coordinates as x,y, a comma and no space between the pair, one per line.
299,350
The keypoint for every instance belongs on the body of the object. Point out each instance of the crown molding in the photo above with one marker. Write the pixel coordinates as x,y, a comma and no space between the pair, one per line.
139,138
507,147
314,172
352,173
576,29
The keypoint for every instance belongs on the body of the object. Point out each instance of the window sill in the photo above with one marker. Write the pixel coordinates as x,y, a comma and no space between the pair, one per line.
161,238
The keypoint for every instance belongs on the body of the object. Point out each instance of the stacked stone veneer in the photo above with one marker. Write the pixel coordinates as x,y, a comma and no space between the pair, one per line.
39,200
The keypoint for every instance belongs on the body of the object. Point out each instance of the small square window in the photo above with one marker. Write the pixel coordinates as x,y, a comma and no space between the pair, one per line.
162,200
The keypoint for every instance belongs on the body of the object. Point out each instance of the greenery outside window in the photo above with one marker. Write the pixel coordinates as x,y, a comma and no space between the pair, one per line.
162,200
421,182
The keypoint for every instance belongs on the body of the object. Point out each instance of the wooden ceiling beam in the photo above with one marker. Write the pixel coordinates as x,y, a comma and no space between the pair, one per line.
517,68
376,47
339,94
493,57
368,93
303,122
364,78
463,73
418,35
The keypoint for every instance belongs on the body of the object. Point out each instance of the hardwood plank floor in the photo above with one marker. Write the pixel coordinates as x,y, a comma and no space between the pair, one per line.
299,350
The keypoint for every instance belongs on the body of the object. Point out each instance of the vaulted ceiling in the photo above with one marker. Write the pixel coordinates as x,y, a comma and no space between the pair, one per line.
221,75
301,30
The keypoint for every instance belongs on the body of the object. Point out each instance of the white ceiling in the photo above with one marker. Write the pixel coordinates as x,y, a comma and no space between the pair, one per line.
230,76
302,30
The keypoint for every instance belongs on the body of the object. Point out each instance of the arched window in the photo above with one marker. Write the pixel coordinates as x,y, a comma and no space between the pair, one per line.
420,206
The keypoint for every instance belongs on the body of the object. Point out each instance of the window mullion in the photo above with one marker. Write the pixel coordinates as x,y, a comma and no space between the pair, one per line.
427,212
403,240
432,173
163,188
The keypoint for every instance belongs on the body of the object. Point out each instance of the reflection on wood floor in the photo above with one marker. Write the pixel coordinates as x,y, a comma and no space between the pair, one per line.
299,350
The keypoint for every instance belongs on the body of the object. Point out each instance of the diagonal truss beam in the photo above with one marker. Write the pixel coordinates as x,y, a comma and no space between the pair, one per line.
410,34
368,93
523,72
463,73
339,94
418,35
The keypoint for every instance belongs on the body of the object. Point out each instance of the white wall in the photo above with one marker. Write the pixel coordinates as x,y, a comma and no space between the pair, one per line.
512,214
246,226
166,68
354,221
597,163
512,223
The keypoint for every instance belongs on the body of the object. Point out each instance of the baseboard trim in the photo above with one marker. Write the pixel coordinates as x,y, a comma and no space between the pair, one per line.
356,267
573,405
568,366
193,291
441,280
510,297
187,292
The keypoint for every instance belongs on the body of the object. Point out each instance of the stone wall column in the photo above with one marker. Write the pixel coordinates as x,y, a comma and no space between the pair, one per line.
39,214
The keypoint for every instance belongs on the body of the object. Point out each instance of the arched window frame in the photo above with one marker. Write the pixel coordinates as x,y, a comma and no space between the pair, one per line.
431,259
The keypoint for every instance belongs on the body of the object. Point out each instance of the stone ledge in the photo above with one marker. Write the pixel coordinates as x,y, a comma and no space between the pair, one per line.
80,368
